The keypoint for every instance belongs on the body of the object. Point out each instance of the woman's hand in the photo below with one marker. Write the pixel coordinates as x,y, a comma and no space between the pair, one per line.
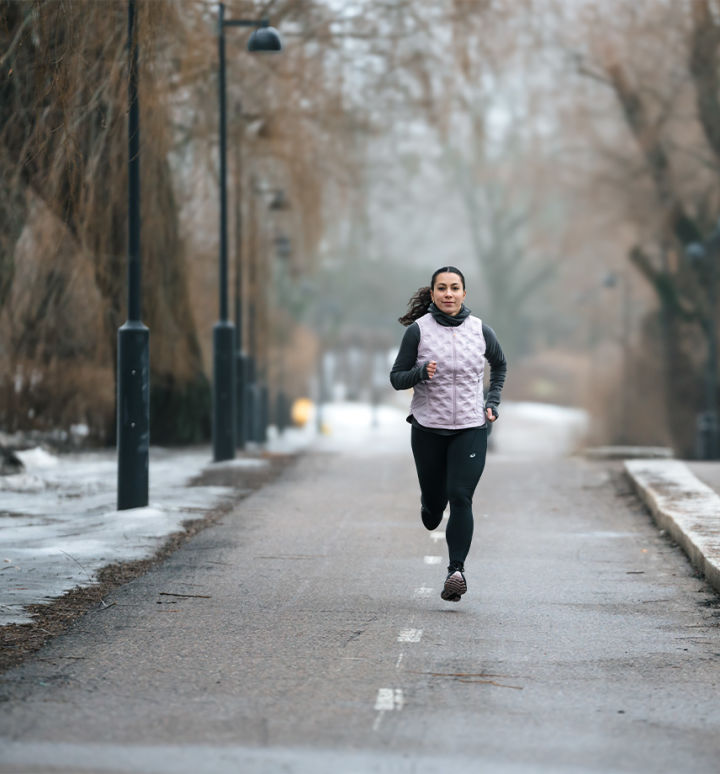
431,367
491,416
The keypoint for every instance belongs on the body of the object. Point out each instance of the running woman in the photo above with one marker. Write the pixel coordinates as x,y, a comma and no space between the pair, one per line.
442,356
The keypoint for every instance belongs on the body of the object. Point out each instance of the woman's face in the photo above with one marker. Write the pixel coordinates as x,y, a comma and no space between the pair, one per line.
448,293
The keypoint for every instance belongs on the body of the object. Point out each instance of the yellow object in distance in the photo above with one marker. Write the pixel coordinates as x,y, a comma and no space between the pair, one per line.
301,411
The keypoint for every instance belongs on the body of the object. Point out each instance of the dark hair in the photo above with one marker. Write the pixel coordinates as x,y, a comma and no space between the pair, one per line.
420,301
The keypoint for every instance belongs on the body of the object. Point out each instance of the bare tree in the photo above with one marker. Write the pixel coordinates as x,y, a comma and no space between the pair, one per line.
63,127
63,146
675,187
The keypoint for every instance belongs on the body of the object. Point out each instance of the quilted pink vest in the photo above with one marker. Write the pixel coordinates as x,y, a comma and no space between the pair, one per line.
453,398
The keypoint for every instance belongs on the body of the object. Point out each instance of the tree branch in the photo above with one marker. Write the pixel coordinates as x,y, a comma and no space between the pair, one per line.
677,221
663,282
704,45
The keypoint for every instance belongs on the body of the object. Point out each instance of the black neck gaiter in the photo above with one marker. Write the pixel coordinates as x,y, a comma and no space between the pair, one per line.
448,320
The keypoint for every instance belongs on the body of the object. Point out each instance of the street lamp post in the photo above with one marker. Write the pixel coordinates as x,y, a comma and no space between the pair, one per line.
133,357
251,388
707,440
224,330
257,394
264,38
242,432
611,280
283,250
278,203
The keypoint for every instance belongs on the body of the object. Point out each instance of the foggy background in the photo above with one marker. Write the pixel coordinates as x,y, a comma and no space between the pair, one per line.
564,155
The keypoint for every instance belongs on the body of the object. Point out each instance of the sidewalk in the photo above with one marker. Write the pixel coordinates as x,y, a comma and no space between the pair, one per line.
684,499
64,547
60,530
304,632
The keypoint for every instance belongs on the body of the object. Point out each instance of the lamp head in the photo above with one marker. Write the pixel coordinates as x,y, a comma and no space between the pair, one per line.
265,39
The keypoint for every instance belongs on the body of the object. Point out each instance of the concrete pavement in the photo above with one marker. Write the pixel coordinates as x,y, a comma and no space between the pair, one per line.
305,633
684,499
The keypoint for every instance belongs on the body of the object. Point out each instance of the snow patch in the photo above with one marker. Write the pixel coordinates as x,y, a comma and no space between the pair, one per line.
238,463
59,523
21,482
37,458
527,429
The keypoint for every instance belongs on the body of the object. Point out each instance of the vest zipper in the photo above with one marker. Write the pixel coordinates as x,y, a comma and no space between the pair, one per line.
454,419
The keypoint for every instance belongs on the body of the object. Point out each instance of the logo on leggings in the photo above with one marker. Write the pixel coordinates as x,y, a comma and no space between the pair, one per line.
472,455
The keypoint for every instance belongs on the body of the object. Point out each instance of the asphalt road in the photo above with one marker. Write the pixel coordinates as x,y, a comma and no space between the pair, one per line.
305,633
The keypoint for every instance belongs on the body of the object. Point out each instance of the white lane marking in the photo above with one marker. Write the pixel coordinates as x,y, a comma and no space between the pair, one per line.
389,699
432,559
378,720
423,591
399,661
435,536
410,635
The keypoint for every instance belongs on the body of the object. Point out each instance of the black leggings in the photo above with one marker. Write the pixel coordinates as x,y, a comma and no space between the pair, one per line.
449,468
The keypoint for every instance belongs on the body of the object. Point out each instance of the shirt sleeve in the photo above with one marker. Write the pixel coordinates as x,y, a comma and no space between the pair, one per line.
498,366
405,374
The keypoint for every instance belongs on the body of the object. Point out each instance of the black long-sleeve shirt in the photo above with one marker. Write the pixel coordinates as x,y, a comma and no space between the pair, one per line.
405,374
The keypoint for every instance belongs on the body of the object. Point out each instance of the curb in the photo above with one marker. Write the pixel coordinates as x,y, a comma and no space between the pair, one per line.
686,508
628,452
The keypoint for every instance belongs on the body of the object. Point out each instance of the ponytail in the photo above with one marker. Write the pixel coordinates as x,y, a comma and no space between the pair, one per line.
418,305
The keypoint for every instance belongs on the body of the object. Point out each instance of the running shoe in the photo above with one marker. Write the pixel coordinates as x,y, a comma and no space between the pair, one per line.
455,584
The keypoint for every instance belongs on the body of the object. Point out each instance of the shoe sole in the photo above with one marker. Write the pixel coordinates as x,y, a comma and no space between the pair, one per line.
455,587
